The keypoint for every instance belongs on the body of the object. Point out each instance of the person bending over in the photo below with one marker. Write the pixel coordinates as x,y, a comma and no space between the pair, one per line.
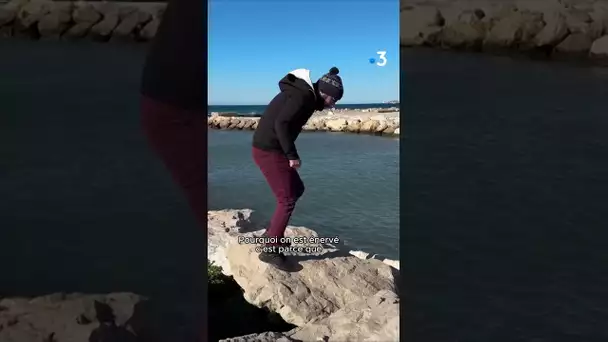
274,149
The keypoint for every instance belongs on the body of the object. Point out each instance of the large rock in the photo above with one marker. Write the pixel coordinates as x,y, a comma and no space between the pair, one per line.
64,318
328,279
57,21
234,123
370,126
85,16
599,48
131,22
31,13
104,28
316,123
468,32
578,21
149,30
336,125
9,11
223,122
420,25
576,44
599,25
323,286
354,126
369,319
555,30
516,29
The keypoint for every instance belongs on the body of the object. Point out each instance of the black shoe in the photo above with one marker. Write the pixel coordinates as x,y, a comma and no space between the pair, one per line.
277,260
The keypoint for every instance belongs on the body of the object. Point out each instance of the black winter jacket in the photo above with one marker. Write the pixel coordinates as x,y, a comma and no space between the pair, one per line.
287,113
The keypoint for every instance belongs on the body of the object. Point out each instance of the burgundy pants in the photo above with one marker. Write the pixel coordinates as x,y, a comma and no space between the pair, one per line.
286,185
179,138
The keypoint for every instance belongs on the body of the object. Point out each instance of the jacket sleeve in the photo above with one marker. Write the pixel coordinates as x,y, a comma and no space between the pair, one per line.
285,118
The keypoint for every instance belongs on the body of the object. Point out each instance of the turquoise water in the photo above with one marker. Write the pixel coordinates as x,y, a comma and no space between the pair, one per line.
352,185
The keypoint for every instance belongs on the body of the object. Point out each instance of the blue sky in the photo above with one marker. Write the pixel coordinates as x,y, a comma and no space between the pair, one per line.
254,43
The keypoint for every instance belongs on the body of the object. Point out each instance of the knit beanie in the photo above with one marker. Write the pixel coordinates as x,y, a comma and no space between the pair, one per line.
331,84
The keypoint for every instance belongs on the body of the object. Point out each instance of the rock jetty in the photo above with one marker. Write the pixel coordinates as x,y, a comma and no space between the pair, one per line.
555,29
100,20
372,121
335,295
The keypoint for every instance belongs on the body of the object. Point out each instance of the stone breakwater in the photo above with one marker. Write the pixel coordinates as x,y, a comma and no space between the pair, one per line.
335,295
370,122
100,21
575,29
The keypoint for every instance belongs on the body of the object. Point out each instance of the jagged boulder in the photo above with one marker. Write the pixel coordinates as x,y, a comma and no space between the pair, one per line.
234,123
9,11
28,17
555,30
515,29
420,25
131,21
576,44
336,125
577,20
316,124
599,48
57,21
370,319
323,286
105,27
149,30
599,15
85,16
467,32
328,278
353,126
370,125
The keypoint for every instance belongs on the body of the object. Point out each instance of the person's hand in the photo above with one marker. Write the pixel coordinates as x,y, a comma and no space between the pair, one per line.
295,163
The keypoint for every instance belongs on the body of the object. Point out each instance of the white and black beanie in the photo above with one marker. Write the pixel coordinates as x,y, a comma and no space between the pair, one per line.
331,84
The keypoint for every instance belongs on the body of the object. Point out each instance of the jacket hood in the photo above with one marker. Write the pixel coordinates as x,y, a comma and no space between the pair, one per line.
298,79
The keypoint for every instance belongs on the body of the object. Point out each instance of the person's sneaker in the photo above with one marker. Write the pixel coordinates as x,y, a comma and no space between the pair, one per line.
275,259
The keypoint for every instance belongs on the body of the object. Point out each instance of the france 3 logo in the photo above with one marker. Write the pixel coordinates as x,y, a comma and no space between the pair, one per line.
381,60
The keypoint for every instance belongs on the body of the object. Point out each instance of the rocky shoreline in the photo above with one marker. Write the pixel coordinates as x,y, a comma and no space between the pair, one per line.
368,121
553,29
100,21
334,295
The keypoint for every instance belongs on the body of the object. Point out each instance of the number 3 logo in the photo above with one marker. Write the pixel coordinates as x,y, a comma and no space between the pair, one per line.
382,61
